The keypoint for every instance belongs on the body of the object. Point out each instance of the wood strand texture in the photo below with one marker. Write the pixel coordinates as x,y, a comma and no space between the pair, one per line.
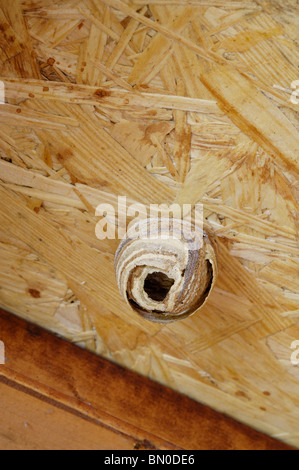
159,101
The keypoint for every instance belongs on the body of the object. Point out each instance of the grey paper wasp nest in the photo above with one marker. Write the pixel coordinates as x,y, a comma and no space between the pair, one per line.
166,278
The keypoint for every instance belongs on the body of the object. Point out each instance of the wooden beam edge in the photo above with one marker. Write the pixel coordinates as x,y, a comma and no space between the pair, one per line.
51,369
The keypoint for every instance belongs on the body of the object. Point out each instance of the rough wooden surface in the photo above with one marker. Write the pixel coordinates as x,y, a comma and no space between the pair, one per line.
75,400
159,101
28,423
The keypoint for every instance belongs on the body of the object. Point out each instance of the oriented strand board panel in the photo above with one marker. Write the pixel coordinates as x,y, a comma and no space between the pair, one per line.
161,101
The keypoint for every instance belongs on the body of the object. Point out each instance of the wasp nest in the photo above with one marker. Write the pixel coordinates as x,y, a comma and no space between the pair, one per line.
166,273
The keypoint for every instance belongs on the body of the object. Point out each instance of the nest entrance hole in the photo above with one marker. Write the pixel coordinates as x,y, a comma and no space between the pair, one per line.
157,285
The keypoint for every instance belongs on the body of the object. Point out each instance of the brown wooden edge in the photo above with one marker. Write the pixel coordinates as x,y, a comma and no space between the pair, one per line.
149,415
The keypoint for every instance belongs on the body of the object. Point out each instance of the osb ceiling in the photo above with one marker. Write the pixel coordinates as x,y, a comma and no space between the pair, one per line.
187,101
